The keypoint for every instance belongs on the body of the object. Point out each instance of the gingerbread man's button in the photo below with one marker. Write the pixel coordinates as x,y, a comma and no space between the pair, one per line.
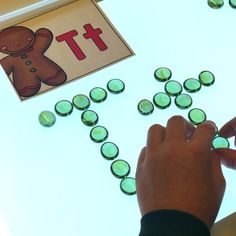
23,56
32,70
28,62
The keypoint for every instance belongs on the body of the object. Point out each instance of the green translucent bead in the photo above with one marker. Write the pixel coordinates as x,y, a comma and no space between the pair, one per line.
116,86
145,107
215,3
81,102
220,142
192,85
183,101
197,116
89,118
162,74
206,78
173,88
47,118
98,94
161,100
99,134
232,3
63,108
109,151
120,168
128,186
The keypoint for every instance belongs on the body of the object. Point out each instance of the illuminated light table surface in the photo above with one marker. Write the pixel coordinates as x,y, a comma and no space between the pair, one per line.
54,181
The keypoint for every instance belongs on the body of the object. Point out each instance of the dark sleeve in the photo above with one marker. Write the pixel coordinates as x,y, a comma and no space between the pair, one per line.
172,223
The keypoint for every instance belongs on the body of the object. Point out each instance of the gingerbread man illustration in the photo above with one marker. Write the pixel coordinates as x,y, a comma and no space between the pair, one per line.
26,60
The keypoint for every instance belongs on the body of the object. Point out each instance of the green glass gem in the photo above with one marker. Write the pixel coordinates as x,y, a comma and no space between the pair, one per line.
23,56
81,102
206,78
232,3
161,100
215,4
98,134
47,118
220,142
32,70
197,116
63,108
98,94
192,85
120,168
128,186
116,86
183,101
173,88
109,151
145,107
89,118
162,74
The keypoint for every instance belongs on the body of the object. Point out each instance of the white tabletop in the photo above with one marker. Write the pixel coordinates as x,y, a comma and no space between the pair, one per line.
54,181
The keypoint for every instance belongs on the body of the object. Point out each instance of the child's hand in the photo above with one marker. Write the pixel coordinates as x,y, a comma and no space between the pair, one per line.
178,170
228,156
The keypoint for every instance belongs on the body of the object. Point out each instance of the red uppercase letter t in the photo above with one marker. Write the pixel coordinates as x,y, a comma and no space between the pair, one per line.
94,35
68,37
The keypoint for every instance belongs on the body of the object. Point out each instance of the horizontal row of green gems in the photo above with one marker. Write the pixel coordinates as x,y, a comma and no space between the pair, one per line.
89,118
220,142
162,74
47,118
191,85
63,108
197,116
162,100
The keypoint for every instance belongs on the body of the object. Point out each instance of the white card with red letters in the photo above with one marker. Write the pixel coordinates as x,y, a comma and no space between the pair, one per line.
60,46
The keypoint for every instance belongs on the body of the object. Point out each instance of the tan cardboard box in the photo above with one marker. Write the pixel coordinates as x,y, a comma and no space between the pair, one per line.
15,11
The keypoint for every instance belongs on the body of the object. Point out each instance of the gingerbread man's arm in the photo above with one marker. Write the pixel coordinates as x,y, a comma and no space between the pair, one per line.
43,40
7,65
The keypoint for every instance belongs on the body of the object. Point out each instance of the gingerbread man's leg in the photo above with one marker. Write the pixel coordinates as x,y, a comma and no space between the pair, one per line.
27,87
50,73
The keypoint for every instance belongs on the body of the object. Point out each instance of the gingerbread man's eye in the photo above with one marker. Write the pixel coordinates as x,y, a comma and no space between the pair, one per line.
29,39
4,48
